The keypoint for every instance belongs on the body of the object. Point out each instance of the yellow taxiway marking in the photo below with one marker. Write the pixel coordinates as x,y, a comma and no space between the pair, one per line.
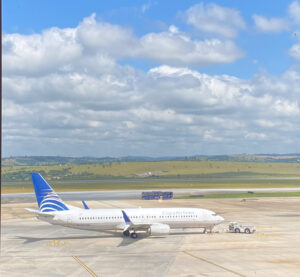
266,227
85,266
260,234
212,263
57,243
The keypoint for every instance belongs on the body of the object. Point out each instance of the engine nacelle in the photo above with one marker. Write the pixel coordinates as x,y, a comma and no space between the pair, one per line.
159,229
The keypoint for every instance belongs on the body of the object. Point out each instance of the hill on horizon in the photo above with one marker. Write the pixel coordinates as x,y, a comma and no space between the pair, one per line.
56,160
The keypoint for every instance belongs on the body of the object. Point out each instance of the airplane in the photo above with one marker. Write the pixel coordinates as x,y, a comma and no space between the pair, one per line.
153,221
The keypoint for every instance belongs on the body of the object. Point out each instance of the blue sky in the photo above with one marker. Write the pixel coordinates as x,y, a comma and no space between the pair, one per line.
150,77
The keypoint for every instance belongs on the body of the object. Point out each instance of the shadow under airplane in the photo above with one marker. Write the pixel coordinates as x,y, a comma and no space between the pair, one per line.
107,234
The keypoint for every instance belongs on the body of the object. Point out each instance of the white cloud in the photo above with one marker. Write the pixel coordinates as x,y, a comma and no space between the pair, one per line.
256,136
111,40
294,51
173,29
266,123
37,54
145,7
273,25
179,50
83,102
286,108
212,18
294,11
146,113
60,50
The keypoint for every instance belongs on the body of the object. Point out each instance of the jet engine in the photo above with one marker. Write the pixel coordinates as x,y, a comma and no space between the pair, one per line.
159,229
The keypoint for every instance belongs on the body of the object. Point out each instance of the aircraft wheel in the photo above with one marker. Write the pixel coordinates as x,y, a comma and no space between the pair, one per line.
134,235
126,233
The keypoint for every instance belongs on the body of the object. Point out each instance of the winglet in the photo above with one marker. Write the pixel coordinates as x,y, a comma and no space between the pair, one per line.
126,218
85,205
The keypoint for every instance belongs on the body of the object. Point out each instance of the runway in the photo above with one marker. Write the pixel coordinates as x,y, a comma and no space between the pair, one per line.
35,248
133,194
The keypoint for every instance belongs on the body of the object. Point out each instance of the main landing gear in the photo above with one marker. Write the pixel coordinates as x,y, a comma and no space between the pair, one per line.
126,233
132,234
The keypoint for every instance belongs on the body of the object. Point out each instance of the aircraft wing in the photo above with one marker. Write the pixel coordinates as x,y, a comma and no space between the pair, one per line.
130,224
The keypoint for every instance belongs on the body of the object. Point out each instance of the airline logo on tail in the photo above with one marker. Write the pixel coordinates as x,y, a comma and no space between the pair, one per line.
46,197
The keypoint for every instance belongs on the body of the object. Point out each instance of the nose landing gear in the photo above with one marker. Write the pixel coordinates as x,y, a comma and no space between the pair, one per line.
209,228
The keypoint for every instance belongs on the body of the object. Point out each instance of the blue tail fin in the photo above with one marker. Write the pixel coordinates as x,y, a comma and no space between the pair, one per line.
46,197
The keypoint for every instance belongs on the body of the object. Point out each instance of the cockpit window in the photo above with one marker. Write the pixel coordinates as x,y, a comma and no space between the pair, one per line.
214,214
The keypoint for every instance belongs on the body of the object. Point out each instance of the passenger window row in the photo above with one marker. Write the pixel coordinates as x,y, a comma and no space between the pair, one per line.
135,217
100,217
177,216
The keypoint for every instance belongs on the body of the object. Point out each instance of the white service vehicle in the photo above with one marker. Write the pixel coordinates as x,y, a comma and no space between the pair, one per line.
234,227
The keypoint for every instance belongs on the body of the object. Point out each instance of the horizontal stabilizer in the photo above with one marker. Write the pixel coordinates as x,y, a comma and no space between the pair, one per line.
70,207
39,213
32,211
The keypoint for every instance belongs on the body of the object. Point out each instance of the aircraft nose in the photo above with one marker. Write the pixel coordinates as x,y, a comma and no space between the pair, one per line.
220,219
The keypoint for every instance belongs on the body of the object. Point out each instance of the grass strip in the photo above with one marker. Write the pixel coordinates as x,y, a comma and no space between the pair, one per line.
24,188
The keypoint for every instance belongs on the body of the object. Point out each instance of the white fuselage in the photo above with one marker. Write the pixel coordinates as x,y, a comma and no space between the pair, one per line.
112,219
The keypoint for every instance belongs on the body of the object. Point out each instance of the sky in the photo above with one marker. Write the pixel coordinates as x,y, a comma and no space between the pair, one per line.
150,78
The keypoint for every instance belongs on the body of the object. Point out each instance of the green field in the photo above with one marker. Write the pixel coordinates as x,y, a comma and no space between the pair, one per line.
159,170
14,188
178,169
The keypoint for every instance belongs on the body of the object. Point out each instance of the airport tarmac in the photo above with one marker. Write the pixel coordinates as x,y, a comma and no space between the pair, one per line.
34,248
